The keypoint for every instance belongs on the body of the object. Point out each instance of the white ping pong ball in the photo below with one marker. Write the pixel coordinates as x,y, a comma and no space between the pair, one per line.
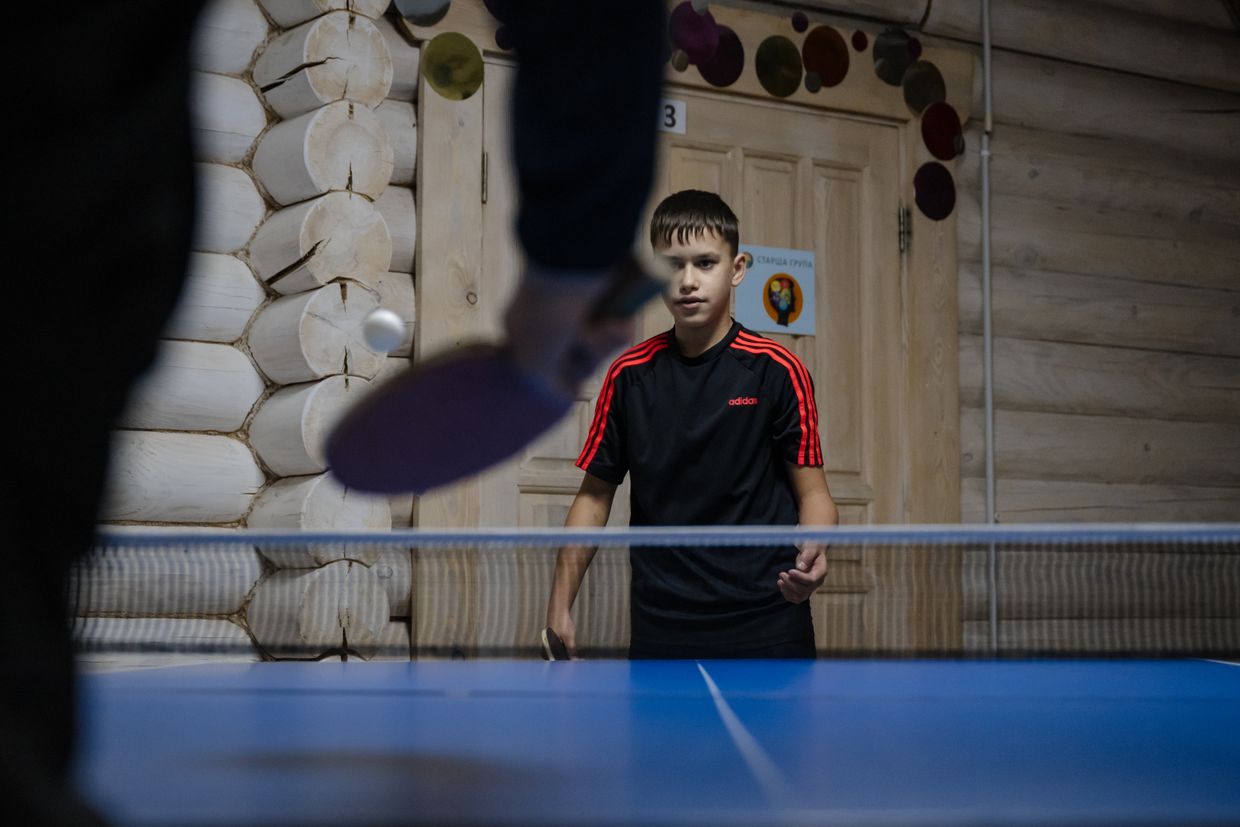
383,330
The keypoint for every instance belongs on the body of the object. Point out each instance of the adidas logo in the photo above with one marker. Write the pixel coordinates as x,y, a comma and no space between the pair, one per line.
743,400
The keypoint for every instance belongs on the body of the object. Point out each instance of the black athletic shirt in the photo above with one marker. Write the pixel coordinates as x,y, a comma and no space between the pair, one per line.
705,439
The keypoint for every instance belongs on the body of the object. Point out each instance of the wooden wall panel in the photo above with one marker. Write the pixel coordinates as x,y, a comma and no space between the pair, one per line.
929,287
1094,583
1065,307
165,582
1184,121
449,259
839,621
227,36
1103,449
1212,13
1095,240
1067,501
838,193
915,606
218,299
103,642
180,478
1116,176
444,602
1086,33
699,168
195,386
1054,377
1164,636
908,12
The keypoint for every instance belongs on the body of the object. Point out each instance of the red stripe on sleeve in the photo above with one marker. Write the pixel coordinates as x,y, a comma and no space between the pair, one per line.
807,383
810,450
634,356
796,386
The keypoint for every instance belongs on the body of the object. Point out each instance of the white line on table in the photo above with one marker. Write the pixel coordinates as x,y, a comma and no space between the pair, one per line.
760,764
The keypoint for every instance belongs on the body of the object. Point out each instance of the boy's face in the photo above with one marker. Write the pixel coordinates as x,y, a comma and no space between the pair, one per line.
704,272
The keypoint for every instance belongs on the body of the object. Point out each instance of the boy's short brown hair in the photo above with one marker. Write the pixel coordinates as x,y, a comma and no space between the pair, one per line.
694,212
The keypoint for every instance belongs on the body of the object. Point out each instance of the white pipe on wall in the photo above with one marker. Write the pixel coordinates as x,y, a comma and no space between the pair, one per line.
992,562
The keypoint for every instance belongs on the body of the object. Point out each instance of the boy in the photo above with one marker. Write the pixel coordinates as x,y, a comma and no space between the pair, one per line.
716,426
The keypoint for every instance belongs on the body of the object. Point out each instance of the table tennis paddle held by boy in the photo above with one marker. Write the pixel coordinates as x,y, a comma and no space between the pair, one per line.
553,647
714,425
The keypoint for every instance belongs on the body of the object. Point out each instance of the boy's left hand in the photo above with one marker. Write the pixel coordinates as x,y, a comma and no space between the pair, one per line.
797,584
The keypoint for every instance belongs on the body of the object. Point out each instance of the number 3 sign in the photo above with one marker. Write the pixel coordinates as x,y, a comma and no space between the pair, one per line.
672,116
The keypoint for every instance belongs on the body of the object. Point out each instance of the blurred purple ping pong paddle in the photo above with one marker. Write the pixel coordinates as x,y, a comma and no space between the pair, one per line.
460,412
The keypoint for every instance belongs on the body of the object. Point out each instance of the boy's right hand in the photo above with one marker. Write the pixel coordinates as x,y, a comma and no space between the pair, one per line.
562,624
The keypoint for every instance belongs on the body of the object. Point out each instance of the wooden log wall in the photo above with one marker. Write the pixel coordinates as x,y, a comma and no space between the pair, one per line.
307,224
164,606
1115,185
1115,209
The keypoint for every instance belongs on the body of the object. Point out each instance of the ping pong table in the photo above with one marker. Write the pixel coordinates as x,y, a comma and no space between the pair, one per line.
670,742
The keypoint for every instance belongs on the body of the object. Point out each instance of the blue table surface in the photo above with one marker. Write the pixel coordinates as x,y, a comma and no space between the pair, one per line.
675,742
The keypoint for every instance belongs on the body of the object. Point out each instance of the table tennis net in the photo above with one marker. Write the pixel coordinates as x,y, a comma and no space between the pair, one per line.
151,597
